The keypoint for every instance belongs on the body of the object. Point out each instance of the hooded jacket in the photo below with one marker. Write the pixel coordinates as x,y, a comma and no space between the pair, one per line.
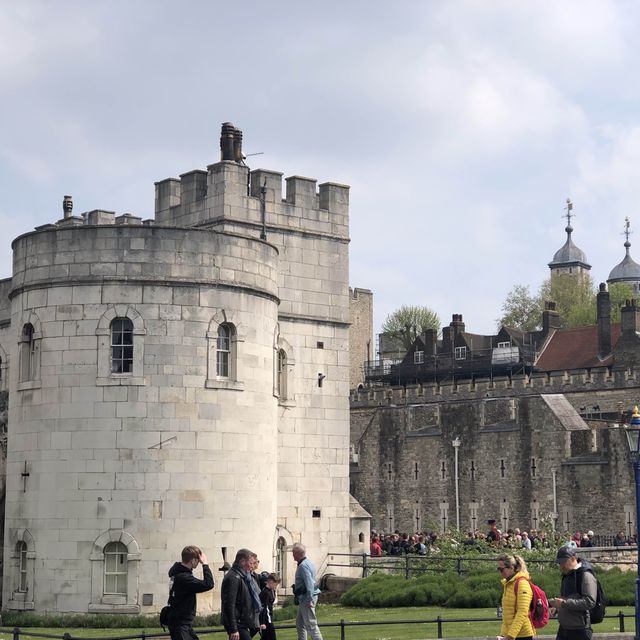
182,592
578,600
515,611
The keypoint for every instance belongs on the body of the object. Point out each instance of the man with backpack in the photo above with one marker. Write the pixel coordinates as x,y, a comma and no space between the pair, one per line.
578,596
183,590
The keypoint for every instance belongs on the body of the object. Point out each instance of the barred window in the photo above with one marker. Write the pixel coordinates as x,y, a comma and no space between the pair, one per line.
121,345
115,569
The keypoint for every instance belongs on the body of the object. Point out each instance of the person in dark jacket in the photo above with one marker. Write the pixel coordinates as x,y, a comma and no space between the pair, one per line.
241,598
182,592
578,594
267,598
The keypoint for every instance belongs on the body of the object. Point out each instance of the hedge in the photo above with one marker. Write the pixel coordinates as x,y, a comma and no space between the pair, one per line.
481,588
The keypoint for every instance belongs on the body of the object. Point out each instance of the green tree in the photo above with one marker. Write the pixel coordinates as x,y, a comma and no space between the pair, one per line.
408,322
619,293
575,298
521,310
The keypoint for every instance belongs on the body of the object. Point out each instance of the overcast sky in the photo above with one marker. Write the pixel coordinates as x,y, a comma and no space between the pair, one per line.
462,126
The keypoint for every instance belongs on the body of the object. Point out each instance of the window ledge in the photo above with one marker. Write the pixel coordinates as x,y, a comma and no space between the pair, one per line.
121,381
224,383
286,403
29,384
20,605
114,608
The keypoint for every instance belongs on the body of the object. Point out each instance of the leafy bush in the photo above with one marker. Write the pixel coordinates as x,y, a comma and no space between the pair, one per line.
478,588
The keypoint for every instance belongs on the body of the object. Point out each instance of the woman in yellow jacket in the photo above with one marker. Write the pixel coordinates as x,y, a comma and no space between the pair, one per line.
515,611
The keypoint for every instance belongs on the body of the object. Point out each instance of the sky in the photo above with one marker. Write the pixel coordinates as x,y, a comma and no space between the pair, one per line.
462,126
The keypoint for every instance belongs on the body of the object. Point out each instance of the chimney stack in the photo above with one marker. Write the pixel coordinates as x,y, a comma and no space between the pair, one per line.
231,143
630,317
550,317
67,206
603,314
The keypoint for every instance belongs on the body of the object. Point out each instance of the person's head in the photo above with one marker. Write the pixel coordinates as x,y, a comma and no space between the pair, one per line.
590,534
191,556
244,559
509,565
524,535
273,580
299,551
492,523
567,559
255,563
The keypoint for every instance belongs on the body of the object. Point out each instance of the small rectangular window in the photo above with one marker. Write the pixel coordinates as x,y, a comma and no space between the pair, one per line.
320,345
418,357
315,513
460,353
504,345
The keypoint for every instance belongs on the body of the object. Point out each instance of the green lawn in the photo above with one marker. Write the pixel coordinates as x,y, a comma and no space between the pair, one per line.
334,613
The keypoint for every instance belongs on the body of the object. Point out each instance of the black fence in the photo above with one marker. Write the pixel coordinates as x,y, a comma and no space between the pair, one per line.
343,625
412,564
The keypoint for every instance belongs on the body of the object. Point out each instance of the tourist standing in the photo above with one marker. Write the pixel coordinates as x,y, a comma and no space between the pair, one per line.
182,592
241,598
516,598
578,593
306,592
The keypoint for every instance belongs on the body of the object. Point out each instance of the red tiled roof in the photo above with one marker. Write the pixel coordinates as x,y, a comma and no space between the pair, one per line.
574,349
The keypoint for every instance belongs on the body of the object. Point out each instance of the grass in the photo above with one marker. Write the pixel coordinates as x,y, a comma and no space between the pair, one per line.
335,613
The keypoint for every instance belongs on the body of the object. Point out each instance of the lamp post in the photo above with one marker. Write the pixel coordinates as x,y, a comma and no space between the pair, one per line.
456,446
633,439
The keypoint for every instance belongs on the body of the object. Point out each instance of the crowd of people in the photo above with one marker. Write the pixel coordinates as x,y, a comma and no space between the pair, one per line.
421,543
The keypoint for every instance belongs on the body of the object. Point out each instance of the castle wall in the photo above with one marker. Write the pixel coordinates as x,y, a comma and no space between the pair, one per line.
513,451
361,341
156,461
309,227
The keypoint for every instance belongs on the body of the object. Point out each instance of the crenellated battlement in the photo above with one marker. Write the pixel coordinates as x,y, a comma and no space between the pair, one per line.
574,380
230,192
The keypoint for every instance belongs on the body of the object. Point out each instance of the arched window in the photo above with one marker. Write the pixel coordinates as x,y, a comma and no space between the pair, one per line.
281,558
115,569
281,375
121,345
21,552
27,353
223,351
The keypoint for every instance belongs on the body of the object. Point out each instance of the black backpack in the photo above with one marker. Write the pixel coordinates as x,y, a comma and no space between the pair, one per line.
599,609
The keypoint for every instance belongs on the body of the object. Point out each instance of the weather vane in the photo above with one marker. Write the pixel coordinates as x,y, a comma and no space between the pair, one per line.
568,209
626,232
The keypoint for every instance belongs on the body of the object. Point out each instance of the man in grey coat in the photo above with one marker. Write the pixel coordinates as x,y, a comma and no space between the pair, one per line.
578,593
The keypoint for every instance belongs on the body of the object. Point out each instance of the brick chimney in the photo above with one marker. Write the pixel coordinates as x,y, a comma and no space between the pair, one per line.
603,311
457,326
550,317
630,317
429,337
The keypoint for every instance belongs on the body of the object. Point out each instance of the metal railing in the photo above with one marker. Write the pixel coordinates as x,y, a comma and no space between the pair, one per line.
343,625
411,564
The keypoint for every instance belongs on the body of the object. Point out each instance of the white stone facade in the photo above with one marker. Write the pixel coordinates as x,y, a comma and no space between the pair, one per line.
224,424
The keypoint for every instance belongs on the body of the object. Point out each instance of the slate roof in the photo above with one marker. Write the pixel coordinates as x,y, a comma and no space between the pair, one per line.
569,254
575,348
565,412
627,271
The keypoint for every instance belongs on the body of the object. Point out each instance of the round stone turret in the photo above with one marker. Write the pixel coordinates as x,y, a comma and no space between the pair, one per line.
628,270
569,258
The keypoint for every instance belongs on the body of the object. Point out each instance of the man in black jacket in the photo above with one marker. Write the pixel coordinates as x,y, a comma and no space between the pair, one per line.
182,592
241,598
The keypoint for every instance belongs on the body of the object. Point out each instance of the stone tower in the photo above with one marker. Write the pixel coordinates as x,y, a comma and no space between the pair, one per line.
569,259
628,270
177,381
